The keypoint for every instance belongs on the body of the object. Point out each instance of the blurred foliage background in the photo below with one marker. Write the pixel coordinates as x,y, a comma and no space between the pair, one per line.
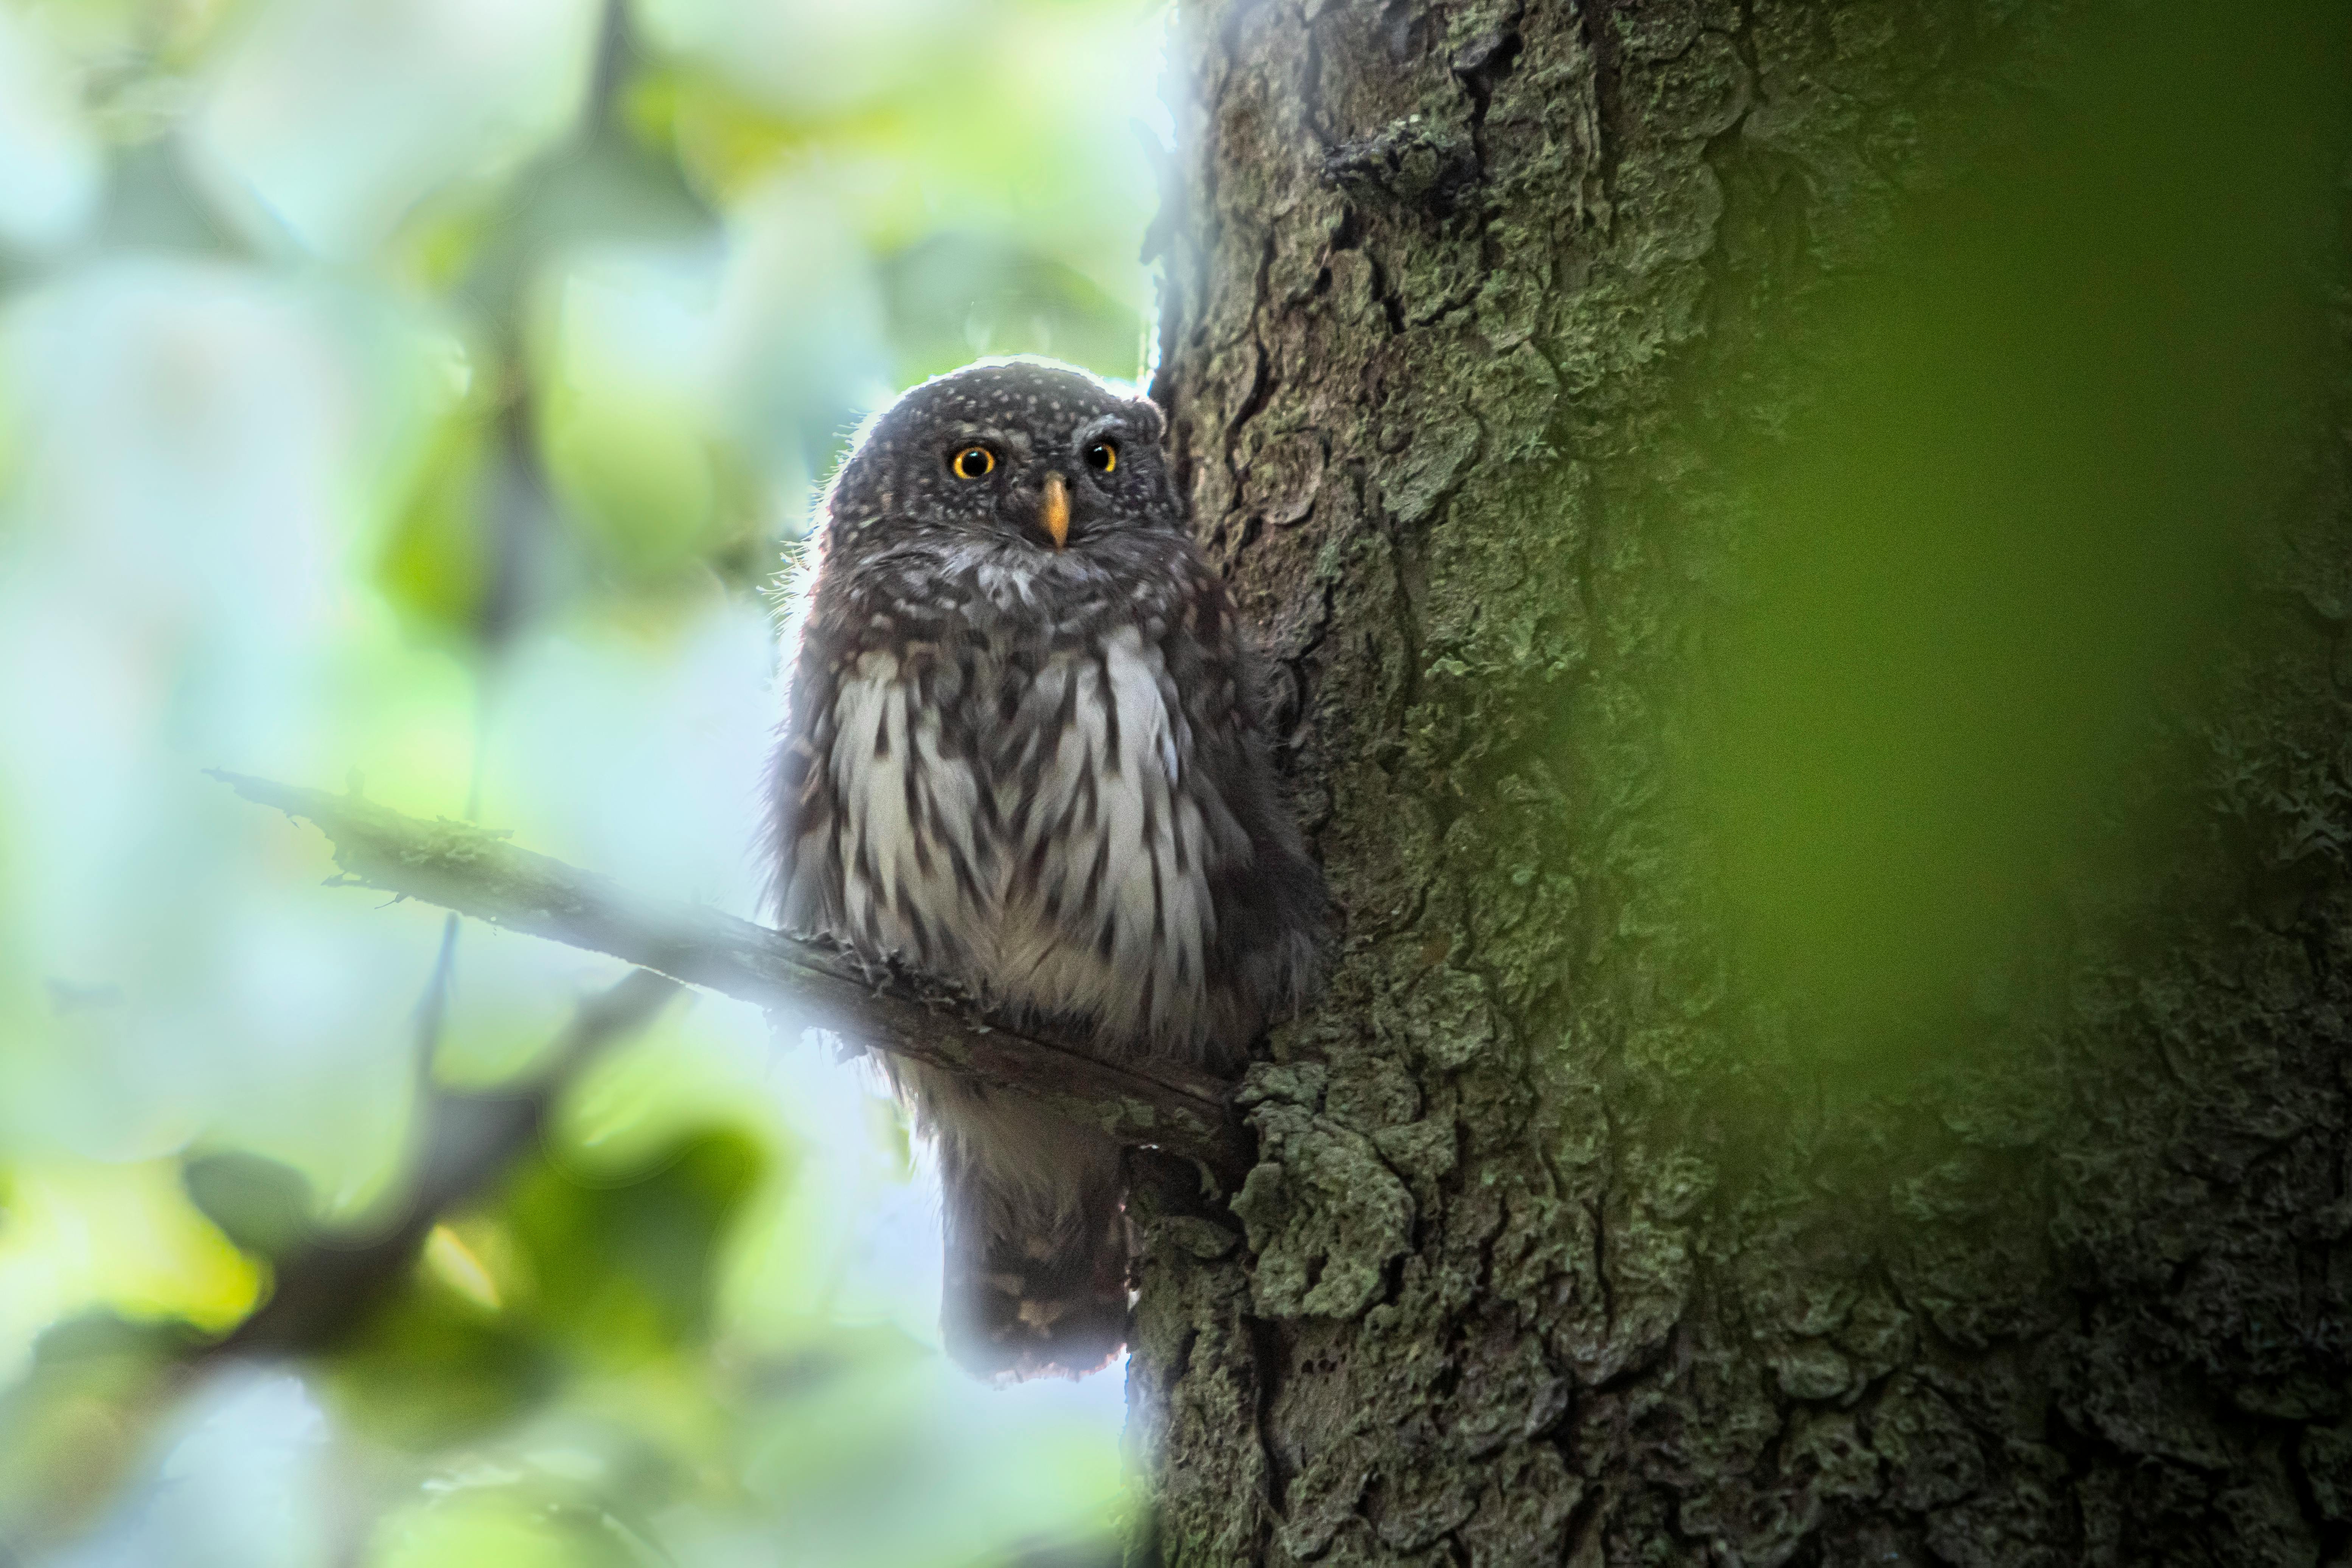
2054,458
421,392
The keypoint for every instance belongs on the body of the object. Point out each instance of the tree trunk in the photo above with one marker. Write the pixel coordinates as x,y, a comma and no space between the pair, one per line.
1597,1221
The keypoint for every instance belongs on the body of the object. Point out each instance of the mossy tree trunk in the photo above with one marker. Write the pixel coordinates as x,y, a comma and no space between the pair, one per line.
1578,1235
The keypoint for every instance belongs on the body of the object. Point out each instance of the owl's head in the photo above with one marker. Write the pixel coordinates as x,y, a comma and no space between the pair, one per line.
1025,452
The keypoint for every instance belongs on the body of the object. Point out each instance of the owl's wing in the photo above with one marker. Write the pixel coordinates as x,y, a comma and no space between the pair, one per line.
804,815
1272,909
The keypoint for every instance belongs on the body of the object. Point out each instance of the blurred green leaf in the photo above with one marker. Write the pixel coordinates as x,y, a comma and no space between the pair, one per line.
260,1204
490,1526
121,1237
431,1368
77,1419
553,1278
624,1272
11,423
435,565
636,472
2016,518
956,296
727,142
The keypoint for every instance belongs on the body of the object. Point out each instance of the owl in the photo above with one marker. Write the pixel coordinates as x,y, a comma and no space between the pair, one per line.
1022,750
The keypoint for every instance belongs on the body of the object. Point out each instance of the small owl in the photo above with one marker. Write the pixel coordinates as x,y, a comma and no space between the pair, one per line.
1021,751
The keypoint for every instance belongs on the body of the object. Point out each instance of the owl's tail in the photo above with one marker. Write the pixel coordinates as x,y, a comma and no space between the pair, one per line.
1037,1251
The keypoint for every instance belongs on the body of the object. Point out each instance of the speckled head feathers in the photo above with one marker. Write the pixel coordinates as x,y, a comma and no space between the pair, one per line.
1034,419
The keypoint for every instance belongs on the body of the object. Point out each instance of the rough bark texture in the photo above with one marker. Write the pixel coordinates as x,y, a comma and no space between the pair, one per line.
1547,1260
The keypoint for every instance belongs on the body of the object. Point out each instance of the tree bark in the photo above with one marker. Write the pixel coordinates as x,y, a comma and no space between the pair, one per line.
1558,1250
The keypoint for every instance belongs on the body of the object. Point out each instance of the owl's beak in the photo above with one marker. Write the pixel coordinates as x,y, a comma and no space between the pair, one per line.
1057,515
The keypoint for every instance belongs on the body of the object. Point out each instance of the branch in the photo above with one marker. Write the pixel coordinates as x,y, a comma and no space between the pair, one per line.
476,871
327,1285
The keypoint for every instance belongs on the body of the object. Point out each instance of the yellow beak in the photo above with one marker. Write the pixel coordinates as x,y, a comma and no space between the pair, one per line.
1057,509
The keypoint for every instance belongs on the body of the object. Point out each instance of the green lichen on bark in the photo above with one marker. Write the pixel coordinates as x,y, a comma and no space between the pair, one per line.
1324,1214
1573,1239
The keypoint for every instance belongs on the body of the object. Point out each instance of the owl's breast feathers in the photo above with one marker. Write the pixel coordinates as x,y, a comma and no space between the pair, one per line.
1052,788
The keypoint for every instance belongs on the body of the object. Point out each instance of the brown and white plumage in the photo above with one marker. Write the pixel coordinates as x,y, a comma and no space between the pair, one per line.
1021,751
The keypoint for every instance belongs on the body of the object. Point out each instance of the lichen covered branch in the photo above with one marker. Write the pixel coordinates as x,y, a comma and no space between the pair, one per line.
476,871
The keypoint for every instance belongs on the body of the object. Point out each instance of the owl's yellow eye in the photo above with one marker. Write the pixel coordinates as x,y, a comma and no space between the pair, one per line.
1103,457
973,463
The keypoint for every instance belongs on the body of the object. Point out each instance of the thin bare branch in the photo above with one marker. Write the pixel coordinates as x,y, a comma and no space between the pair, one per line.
474,871
329,1284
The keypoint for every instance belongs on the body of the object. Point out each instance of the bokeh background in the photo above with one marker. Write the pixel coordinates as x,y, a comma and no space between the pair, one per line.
423,394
